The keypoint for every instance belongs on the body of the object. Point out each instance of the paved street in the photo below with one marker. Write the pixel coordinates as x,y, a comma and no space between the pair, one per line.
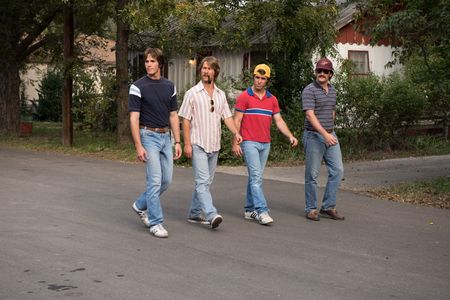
67,231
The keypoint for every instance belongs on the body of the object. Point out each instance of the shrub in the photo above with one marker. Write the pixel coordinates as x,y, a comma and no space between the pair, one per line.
376,112
50,91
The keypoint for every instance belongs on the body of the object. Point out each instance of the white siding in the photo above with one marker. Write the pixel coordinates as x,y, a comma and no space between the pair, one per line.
31,79
231,63
379,56
182,71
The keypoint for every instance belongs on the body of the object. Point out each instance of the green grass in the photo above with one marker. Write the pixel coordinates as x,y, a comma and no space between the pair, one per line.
47,136
434,193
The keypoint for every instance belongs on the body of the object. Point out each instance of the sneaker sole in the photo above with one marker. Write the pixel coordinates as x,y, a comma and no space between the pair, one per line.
198,222
267,223
215,223
160,236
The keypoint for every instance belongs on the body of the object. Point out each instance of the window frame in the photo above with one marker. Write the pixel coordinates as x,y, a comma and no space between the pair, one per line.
368,60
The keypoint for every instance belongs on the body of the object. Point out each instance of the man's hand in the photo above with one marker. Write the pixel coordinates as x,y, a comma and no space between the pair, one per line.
178,151
238,138
188,150
141,154
330,139
293,141
237,150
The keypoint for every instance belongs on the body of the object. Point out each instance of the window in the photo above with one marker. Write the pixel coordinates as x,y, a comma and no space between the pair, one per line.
360,62
253,58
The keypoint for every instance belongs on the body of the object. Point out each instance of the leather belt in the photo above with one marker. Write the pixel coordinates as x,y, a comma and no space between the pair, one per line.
155,129
327,130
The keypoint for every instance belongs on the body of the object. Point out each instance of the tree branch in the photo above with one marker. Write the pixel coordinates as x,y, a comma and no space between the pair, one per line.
27,42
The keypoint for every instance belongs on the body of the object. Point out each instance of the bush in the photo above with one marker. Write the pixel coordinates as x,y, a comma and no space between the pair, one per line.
95,107
50,90
376,112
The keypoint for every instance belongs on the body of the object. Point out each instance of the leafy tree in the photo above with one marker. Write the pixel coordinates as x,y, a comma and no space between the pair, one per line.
35,28
419,31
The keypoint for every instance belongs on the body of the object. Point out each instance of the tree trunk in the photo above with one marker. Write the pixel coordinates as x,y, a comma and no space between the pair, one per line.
9,97
67,138
123,32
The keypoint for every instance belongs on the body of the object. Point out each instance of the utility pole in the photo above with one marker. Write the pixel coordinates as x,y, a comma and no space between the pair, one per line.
67,138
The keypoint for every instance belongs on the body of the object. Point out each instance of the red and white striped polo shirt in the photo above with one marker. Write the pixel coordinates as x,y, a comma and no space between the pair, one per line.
205,125
258,113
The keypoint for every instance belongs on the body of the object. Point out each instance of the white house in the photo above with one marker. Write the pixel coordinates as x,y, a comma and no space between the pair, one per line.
349,45
355,47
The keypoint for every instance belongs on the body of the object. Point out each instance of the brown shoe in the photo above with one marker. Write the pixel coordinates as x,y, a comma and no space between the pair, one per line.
313,215
332,214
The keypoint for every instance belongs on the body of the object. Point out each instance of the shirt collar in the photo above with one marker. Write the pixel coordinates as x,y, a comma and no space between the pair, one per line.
251,93
319,86
199,87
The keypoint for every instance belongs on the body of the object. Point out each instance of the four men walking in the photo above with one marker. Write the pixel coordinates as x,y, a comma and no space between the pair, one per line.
153,116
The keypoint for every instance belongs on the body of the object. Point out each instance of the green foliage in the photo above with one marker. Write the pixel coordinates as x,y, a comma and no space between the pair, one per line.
420,34
50,97
377,111
94,106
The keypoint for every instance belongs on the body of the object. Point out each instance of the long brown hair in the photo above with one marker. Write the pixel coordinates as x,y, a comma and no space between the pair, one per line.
213,62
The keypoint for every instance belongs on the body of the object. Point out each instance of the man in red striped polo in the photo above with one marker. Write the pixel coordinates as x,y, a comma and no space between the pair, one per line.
255,109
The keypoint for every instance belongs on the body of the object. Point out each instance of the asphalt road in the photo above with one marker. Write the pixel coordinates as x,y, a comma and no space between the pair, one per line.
363,175
67,231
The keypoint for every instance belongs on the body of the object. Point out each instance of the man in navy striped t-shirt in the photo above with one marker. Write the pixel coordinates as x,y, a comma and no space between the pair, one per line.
152,104
321,143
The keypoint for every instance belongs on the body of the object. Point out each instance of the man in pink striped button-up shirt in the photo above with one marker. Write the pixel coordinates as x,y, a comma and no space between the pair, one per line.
203,108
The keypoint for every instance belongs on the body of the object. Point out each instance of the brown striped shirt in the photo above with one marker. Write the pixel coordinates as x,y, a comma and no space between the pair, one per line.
323,104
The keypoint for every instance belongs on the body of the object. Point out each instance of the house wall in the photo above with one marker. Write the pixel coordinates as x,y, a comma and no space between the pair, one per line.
34,73
31,79
379,56
182,71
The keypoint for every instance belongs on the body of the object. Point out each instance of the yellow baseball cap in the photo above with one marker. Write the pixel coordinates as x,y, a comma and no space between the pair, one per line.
263,70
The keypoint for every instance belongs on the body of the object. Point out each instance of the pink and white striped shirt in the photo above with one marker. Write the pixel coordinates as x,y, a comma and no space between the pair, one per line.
205,125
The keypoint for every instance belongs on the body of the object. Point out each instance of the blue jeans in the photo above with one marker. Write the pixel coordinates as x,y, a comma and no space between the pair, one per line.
315,151
255,155
159,171
204,166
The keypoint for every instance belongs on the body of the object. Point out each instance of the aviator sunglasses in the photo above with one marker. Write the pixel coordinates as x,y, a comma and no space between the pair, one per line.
318,71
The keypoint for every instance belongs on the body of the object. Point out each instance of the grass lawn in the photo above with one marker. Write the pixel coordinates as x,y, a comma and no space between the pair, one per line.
434,193
47,136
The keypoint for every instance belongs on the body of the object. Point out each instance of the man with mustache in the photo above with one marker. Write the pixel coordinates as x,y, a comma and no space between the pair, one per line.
203,108
321,143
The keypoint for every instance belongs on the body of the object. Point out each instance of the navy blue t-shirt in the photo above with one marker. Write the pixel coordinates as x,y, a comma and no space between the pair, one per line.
154,100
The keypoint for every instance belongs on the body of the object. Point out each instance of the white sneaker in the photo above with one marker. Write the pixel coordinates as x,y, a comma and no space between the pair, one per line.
216,221
158,230
142,215
250,215
263,218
